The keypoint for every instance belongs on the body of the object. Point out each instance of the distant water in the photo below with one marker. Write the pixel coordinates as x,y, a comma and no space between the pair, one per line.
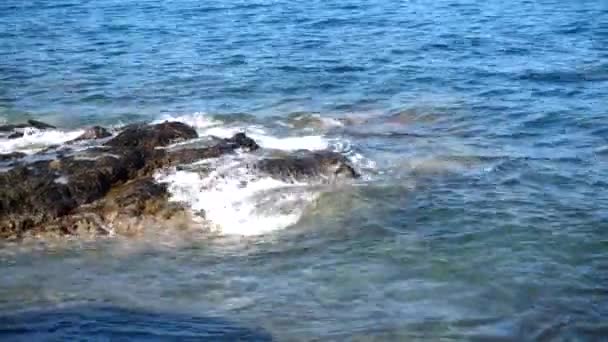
480,128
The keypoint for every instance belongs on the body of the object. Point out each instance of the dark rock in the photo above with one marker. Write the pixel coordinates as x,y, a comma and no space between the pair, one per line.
8,128
95,132
125,210
91,179
153,136
41,192
90,191
39,125
29,197
16,135
304,165
45,190
164,158
30,124
11,156
243,141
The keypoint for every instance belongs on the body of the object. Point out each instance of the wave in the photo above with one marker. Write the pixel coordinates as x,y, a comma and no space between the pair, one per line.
214,126
35,140
236,202
229,197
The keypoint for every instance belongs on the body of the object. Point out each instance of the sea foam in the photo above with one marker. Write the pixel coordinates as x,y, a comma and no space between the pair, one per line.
35,140
235,201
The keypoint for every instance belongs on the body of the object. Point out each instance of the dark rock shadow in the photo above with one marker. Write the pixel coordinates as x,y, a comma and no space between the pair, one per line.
110,323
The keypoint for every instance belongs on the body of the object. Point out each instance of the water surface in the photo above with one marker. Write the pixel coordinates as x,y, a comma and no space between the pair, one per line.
480,127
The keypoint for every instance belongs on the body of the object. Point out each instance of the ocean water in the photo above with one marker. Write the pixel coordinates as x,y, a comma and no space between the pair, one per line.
480,129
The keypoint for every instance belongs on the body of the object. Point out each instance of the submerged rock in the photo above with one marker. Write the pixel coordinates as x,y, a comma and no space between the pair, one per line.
305,165
39,124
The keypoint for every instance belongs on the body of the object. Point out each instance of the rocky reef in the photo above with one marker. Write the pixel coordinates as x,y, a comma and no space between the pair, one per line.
108,187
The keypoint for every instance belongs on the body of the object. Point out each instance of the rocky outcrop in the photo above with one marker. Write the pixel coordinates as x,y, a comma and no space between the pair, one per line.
151,136
304,165
109,187
73,192
127,209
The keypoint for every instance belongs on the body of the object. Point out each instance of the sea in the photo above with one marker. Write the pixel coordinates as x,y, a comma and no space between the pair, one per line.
480,129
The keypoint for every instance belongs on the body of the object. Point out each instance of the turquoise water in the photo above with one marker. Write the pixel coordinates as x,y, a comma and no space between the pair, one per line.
481,129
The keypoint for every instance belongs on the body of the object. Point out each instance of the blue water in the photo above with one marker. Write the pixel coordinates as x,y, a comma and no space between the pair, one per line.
485,217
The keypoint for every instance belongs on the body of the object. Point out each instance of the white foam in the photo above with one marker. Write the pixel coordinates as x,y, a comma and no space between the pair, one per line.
34,140
197,120
363,164
226,131
236,202
311,142
323,121
266,140
330,122
207,126
62,180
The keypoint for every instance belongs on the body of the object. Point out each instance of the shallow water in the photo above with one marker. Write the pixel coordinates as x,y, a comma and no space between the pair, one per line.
480,129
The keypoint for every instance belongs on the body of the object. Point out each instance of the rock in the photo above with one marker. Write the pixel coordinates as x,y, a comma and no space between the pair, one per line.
11,156
305,165
30,124
164,158
91,179
95,132
43,191
40,125
126,209
16,135
243,141
8,128
29,197
100,188
40,192
153,136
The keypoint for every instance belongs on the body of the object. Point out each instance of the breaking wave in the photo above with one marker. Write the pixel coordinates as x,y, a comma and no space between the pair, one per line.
231,198
34,140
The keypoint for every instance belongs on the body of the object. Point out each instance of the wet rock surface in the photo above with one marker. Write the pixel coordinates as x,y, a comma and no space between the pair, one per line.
88,192
151,136
304,165
126,209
